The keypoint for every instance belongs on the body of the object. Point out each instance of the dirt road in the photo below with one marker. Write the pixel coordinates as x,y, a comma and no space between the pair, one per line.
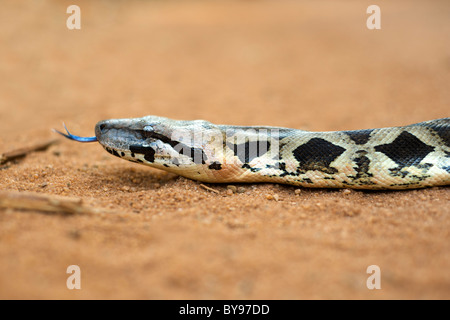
306,65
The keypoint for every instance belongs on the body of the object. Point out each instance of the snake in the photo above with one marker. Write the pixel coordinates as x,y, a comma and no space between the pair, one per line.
403,157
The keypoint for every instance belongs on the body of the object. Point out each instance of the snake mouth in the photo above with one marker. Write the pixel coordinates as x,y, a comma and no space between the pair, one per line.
120,134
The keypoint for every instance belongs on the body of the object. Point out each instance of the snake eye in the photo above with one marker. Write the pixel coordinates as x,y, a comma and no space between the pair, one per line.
149,129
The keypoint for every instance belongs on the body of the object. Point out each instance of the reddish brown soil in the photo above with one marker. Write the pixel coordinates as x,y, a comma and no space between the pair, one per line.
306,65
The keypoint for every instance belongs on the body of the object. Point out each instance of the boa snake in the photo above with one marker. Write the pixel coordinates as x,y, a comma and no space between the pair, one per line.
413,156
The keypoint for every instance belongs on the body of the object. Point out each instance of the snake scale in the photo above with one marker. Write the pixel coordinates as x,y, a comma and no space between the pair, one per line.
406,157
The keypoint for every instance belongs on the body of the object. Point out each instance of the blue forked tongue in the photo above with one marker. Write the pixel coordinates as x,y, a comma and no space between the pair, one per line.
76,138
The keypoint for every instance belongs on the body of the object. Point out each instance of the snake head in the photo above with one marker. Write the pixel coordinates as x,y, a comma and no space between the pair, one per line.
151,140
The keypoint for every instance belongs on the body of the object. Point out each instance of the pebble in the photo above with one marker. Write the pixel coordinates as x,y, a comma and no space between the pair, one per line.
298,191
240,190
346,191
232,188
275,197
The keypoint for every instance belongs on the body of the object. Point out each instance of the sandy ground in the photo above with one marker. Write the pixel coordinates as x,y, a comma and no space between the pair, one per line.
307,65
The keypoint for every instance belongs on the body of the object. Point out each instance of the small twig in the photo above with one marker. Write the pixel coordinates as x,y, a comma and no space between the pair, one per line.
208,188
43,202
22,152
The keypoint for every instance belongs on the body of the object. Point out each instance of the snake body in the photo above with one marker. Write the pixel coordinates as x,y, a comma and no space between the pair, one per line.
412,156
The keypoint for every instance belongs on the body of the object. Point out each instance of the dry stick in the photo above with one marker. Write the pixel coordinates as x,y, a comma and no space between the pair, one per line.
208,188
22,152
43,202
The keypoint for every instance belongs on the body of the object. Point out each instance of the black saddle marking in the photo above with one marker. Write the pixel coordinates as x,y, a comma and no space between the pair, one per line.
360,136
317,154
443,133
441,127
405,150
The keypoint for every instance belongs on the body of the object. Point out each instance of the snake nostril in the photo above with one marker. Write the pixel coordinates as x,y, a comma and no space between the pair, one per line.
102,127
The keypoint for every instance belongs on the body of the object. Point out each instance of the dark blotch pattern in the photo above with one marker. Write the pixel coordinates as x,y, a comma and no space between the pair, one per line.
113,152
148,152
360,136
444,134
317,154
197,154
108,150
249,150
215,166
442,128
406,150
362,166
307,180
